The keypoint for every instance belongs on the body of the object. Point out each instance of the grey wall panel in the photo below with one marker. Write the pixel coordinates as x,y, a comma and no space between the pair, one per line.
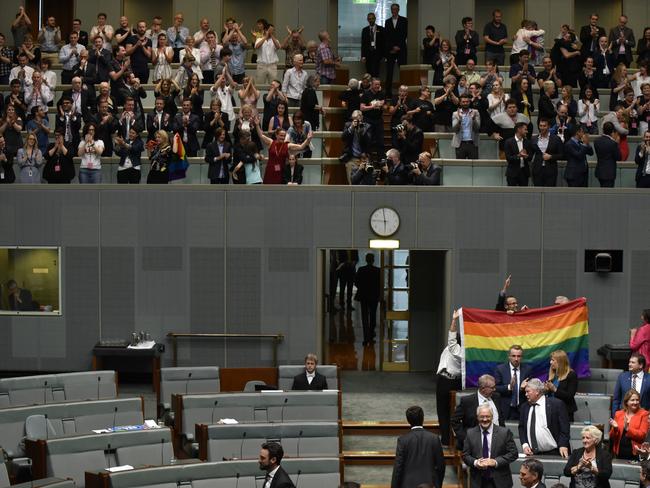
205,226
163,223
288,260
6,348
484,261
8,219
639,262
562,223
120,218
559,275
162,258
332,218
78,214
118,292
525,267
245,219
366,202
43,221
436,220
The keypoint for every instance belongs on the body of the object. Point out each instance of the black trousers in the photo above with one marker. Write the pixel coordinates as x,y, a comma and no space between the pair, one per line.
580,181
129,176
444,386
373,61
607,183
520,179
346,280
158,177
391,60
219,181
377,135
66,76
467,150
643,182
513,413
208,77
369,319
545,176
142,73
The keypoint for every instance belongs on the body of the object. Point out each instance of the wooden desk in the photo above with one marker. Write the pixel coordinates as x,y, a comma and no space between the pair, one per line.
131,360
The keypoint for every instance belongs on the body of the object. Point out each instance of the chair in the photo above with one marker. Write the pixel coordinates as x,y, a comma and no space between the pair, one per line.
286,373
39,427
252,385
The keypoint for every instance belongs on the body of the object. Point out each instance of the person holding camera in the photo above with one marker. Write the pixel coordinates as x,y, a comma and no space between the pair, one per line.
372,106
397,173
465,124
642,160
357,139
425,172
364,173
409,139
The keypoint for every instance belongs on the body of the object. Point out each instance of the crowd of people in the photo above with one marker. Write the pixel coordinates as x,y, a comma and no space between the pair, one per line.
102,114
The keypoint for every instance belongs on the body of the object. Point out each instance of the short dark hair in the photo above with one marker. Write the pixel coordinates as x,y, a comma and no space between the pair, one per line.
430,27
608,128
519,125
466,19
511,101
524,52
76,20
226,51
415,416
640,358
370,258
534,466
543,119
11,284
646,312
465,95
275,451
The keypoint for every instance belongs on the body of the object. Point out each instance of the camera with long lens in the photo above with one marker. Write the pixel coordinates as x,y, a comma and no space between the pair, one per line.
414,166
375,168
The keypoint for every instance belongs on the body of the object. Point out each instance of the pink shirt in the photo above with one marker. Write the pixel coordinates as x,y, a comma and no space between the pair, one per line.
640,343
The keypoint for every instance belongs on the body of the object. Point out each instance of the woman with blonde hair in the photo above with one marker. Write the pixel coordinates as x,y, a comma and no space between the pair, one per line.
589,466
30,160
562,381
629,427
160,156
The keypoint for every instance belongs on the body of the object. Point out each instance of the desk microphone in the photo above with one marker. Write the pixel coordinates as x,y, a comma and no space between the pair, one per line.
108,451
298,446
187,382
298,478
45,393
216,402
241,446
99,379
46,429
286,399
114,417
162,452
588,422
237,484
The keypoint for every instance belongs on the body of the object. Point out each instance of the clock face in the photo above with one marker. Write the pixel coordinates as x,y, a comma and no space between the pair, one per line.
384,221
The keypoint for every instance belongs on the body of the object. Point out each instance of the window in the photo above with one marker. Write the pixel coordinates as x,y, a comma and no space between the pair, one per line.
30,280
352,18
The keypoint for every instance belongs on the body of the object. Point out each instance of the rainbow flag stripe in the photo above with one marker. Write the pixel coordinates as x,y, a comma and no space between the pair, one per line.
487,335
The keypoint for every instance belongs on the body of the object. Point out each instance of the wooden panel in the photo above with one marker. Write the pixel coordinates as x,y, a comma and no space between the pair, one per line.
414,75
234,379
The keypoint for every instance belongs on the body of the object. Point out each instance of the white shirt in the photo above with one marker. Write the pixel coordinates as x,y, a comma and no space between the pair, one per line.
196,65
310,377
519,44
520,147
488,401
545,440
205,56
267,53
588,114
512,372
271,475
451,356
91,160
49,77
29,71
224,95
636,84
542,142
294,83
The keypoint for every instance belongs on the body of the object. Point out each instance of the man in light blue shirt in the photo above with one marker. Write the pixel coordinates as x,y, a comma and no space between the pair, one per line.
236,41
465,124
69,56
177,34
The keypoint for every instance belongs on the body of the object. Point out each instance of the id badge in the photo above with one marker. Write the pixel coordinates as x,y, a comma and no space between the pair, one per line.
467,51
2,175
30,173
57,168
372,44
277,167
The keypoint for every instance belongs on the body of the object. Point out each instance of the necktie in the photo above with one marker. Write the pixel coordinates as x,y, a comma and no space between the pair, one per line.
515,389
267,480
68,132
533,435
486,473
634,381
159,121
213,59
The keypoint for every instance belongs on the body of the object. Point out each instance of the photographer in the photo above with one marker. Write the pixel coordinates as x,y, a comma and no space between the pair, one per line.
425,172
465,124
356,136
397,173
372,105
409,139
363,173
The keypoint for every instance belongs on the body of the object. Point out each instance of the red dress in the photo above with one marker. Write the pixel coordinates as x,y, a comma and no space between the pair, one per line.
278,153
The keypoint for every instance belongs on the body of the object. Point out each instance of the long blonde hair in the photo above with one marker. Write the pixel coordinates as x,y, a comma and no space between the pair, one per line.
563,367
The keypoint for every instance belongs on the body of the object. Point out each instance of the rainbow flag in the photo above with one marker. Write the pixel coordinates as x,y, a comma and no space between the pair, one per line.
178,163
487,336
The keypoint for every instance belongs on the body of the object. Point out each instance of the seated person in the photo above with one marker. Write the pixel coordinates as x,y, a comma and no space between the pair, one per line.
629,427
310,379
20,299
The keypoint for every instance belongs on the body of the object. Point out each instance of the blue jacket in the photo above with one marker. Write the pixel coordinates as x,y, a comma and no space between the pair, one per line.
623,384
502,378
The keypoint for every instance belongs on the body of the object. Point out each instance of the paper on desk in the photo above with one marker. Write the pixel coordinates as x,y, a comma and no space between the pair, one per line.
117,469
151,424
142,345
228,421
101,431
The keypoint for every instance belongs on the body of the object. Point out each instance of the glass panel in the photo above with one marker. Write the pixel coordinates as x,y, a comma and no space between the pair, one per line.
400,278
352,18
400,258
400,300
399,353
400,329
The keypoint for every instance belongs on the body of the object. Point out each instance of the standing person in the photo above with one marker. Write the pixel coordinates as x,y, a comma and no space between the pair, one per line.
395,34
372,106
7,174
372,45
30,160
511,380
519,152
640,337
607,153
590,465
59,167
531,473
293,84
218,155
628,427
159,158
309,105
430,45
293,44
138,47
448,377
90,151
161,58
83,35
418,458
309,379
642,159
466,42
177,34
49,38
237,44
70,56
210,53
634,378
589,35
488,451
326,61
562,381
267,48
368,283
576,150
278,152
547,149
271,456
621,38
465,124
130,152
103,30
495,35
292,174
21,26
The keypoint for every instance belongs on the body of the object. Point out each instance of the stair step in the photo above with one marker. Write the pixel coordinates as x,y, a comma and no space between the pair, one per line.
351,427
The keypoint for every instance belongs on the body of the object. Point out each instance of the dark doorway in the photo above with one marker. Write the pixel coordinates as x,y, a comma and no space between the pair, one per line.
60,9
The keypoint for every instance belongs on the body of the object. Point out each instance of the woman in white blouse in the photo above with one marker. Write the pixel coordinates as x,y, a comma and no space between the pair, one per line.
90,151
497,99
588,107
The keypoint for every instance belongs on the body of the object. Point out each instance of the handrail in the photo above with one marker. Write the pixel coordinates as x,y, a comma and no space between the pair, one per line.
277,339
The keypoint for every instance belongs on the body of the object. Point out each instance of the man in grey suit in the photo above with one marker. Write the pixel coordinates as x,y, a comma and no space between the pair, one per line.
488,451
419,458
465,124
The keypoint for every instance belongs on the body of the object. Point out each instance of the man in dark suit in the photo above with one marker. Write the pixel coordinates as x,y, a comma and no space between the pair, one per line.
395,34
576,150
519,152
531,473
20,299
271,455
622,41
81,99
158,120
100,58
489,450
543,423
464,417
607,154
589,35
547,149
187,124
68,122
372,45
368,282
397,173
418,458
106,124
511,379
636,367
310,379
218,155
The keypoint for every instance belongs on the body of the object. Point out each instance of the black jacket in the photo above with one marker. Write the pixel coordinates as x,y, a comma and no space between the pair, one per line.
557,421
365,138
464,417
216,166
192,144
398,175
640,160
396,36
281,479
166,124
368,283
418,459
608,153
58,168
554,149
512,156
576,158
429,178
603,462
287,177
566,391
366,40
502,448
318,383
411,146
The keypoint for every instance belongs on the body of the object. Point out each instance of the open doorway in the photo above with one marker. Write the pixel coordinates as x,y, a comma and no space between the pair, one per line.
407,327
